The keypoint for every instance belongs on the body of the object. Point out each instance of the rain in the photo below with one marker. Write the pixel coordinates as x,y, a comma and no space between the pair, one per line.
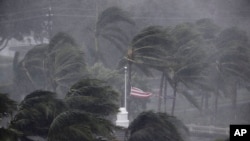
123,70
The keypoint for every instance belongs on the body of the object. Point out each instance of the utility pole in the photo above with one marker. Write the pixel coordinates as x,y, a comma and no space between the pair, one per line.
49,23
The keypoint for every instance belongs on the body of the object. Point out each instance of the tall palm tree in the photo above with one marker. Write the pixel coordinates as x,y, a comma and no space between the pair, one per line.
208,31
147,51
187,60
150,126
52,67
232,61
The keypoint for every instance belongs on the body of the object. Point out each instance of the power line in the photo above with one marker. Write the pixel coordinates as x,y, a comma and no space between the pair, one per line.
89,16
22,12
21,19
45,8
76,16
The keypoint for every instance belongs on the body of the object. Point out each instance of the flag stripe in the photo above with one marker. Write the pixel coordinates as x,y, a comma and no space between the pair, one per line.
139,93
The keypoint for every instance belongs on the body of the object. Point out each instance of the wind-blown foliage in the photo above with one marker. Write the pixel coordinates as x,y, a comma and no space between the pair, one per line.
7,106
187,59
107,28
233,51
147,47
175,52
147,52
36,112
150,126
78,126
91,103
52,67
231,62
83,114
93,96
10,134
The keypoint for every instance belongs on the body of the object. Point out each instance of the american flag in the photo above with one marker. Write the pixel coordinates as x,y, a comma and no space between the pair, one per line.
139,93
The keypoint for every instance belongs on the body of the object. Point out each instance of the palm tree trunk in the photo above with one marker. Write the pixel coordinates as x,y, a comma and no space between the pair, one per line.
165,95
206,101
234,96
234,100
202,102
160,91
96,50
174,100
215,105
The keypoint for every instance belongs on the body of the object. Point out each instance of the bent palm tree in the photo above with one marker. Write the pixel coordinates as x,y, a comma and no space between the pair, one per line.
147,50
188,63
106,28
232,62
52,67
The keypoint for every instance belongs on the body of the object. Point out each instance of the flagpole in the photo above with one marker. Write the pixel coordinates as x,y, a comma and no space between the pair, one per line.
125,88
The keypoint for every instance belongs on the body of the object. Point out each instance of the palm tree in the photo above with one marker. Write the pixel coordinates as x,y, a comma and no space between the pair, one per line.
150,126
52,67
208,31
147,51
187,61
36,112
231,62
174,52
106,27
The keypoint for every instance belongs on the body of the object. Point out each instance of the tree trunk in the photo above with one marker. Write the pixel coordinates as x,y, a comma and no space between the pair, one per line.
234,95
202,102
234,100
165,94
160,91
206,101
216,104
174,100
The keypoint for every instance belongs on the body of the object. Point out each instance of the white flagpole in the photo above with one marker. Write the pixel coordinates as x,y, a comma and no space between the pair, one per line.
125,88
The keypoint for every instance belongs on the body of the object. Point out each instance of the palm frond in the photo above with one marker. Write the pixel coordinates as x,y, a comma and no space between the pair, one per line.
78,125
113,15
7,106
